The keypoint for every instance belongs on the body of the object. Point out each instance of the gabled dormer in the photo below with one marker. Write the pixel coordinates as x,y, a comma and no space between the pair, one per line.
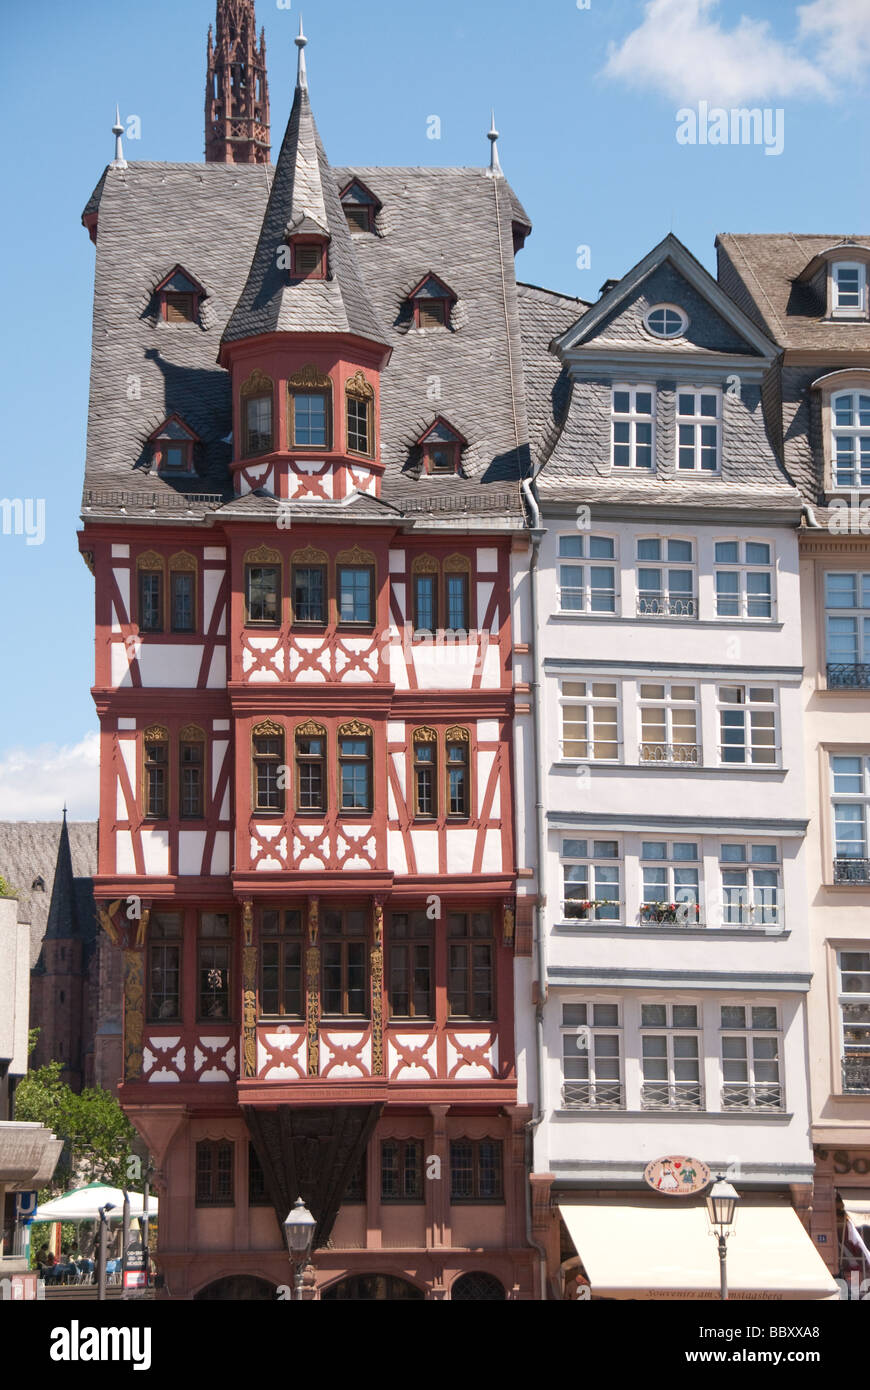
431,302
360,206
172,447
441,449
837,281
178,297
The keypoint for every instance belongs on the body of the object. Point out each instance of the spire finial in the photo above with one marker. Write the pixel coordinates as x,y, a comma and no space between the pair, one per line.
119,162
64,811
492,137
301,74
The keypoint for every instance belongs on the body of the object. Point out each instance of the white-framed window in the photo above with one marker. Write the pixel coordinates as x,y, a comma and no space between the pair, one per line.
633,419
592,1056
751,894
751,1047
670,1042
747,724
587,573
666,321
854,1003
590,720
669,722
699,428
743,575
666,577
850,438
849,289
850,789
591,880
847,629
670,872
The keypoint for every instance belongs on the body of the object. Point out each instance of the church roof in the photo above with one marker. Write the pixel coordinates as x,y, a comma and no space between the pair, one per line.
30,854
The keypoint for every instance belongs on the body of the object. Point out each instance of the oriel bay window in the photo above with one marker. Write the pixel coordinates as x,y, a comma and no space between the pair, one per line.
310,409
476,1170
402,1170
281,984
214,951
263,587
425,747
355,767
191,770
256,402
359,406
164,967
345,954
456,742
470,965
269,771
214,1173
355,576
156,743
411,957
310,767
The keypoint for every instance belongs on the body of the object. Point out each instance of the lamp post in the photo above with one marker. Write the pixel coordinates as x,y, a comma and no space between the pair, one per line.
299,1231
722,1202
101,1290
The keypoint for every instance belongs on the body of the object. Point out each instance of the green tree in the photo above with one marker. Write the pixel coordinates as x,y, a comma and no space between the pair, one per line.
97,1135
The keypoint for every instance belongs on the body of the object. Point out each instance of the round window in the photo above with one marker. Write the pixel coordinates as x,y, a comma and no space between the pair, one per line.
666,321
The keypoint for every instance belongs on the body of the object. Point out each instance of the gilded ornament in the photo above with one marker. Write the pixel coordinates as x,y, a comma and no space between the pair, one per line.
263,555
359,388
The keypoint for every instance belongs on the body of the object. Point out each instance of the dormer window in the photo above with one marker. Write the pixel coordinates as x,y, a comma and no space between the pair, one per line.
442,447
360,206
172,446
256,406
848,289
432,302
360,399
666,321
178,297
309,258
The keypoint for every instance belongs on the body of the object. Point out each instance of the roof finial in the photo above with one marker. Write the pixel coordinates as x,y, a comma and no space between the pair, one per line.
301,74
64,810
119,162
492,137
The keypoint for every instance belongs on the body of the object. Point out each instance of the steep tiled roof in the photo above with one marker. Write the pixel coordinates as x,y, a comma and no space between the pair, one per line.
544,315
29,852
761,272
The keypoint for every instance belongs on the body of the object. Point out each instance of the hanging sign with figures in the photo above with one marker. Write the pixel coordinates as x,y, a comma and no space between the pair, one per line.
676,1176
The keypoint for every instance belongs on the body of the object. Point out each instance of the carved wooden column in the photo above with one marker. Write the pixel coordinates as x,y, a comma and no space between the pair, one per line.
312,987
438,1188
134,1012
249,992
377,986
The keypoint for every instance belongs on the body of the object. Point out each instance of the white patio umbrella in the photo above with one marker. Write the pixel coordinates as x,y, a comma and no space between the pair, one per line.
83,1204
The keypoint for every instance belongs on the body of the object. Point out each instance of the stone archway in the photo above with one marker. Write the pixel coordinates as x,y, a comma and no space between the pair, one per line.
372,1287
238,1288
477,1287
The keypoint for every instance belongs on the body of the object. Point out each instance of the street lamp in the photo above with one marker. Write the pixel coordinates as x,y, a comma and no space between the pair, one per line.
722,1202
101,1289
299,1231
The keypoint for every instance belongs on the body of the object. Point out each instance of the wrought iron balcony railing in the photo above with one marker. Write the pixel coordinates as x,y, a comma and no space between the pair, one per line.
856,1072
849,675
670,753
592,1095
672,1095
764,1095
656,605
851,870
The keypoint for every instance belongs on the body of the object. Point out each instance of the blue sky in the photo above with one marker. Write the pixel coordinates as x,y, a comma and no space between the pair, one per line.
586,100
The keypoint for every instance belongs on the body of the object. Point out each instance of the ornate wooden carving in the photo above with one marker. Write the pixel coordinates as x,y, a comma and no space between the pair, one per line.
310,375
310,729
456,734
359,388
88,557
106,913
377,979
142,928
508,924
424,564
267,728
155,734
134,1013
192,733
181,560
354,729
425,735
257,384
249,1004
457,564
248,921
312,988
355,557
263,555
150,560
309,556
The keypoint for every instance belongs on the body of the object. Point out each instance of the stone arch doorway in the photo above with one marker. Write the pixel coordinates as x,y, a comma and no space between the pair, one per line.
477,1287
372,1287
239,1288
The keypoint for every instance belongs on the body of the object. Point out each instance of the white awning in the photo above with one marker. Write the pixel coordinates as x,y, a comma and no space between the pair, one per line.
83,1204
636,1248
856,1204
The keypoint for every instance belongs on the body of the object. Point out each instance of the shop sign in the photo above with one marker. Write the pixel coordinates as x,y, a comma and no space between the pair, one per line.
677,1175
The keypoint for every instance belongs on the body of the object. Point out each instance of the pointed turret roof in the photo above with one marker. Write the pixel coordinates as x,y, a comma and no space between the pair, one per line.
62,918
304,199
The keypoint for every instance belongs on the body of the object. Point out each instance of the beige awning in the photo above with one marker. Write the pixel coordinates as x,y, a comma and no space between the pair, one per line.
856,1204
635,1248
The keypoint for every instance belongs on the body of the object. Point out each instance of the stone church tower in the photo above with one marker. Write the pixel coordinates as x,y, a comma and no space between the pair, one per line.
237,88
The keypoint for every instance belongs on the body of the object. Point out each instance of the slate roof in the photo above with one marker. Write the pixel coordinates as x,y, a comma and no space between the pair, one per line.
207,218
761,272
545,315
30,850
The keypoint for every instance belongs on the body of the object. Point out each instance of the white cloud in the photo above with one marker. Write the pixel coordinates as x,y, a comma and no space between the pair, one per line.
842,28
36,782
682,50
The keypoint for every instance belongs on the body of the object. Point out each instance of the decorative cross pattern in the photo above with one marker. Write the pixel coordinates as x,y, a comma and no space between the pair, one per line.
472,1056
345,1055
281,1053
412,1056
